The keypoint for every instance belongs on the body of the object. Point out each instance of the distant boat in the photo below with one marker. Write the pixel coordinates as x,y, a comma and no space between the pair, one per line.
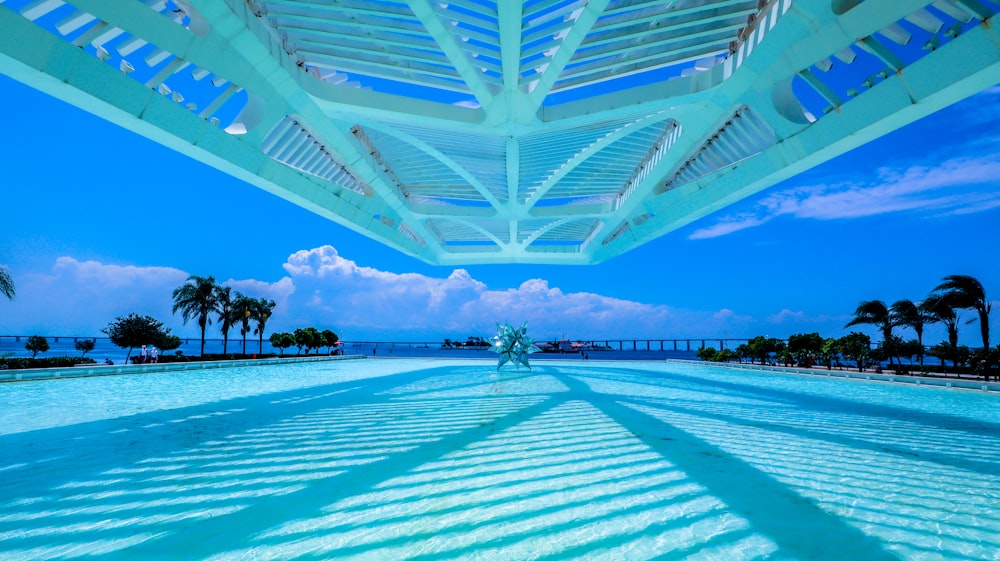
561,346
567,346
473,342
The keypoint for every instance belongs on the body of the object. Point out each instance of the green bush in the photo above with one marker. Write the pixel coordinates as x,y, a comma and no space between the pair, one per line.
707,354
48,362
208,357
37,344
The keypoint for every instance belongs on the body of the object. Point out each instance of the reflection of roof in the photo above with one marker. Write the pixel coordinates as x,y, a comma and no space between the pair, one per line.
469,131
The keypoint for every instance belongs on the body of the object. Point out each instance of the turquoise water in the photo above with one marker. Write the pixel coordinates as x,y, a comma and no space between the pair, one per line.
448,459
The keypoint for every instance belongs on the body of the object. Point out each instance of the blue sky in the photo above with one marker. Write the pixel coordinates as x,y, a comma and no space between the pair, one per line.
99,222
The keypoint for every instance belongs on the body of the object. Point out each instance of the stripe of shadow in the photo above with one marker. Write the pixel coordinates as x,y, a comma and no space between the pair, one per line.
94,447
403,516
655,529
799,527
239,530
487,382
986,468
510,539
101,533
826,403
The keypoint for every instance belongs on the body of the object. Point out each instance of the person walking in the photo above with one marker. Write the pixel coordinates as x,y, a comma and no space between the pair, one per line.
142,355
154,355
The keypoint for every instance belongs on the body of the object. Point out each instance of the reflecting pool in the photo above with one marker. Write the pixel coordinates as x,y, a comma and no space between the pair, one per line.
450,459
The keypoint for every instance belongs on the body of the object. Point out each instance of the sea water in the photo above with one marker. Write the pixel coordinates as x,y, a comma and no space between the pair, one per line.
451,459
104,349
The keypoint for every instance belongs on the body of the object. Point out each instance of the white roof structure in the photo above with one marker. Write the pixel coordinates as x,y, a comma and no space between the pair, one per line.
544,131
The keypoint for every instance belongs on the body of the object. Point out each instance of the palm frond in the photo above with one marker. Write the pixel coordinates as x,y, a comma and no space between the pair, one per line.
6,283
962,291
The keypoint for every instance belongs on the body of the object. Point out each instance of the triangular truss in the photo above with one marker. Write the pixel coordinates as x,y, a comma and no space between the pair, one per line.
467,131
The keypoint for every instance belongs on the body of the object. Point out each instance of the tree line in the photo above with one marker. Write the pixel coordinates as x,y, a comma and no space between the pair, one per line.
801,349
308,338
202,300
201,297
954,294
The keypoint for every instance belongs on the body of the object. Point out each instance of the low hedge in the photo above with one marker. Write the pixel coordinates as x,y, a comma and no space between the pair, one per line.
47,362
208,357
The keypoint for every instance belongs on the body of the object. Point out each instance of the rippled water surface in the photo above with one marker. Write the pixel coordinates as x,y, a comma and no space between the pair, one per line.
450,459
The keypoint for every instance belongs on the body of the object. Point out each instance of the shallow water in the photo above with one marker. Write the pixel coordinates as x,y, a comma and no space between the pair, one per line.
445,459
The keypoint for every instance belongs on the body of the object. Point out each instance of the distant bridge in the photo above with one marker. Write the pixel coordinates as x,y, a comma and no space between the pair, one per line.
616,344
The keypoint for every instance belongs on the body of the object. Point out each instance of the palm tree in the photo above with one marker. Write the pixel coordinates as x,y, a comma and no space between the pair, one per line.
224,307
906,313
261,313
963,291
196,299
6,283
875,312
243,307
940,310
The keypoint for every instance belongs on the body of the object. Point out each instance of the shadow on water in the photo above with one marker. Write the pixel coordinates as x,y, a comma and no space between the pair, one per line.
785,516
814,402
830,405
456,462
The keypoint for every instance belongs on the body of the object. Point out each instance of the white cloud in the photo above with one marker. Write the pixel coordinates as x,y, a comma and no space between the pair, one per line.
728,225
956,186
370,300
113,276
727,315
278,291
326,290
81,297
790,317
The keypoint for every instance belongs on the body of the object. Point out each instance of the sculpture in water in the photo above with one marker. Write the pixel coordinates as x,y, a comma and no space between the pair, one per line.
513,345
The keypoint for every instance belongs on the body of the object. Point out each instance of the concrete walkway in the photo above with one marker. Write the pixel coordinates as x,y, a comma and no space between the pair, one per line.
962,383
114,370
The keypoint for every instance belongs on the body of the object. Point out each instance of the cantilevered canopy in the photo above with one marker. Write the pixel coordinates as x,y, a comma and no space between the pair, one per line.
544,131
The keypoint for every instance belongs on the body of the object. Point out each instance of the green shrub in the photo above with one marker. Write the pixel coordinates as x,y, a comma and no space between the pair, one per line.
37,344
707,354
49,362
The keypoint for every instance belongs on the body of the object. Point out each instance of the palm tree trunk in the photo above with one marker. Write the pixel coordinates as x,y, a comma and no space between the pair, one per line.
225,342
260,343
886,335
984,328
920,343
202,339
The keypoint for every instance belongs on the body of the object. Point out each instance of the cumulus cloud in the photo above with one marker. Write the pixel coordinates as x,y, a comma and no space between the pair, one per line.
324,289
364,302
279,291
956,186
372,300
80,297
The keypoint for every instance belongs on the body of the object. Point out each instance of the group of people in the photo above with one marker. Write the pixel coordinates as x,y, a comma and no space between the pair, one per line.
150,355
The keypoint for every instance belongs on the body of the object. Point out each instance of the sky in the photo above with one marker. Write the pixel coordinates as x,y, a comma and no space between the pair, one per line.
97,222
